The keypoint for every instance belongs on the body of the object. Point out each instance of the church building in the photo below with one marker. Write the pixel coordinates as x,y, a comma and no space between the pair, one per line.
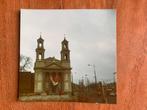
52,75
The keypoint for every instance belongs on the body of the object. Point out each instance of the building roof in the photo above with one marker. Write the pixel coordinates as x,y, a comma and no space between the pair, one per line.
64,41
51,59
40,39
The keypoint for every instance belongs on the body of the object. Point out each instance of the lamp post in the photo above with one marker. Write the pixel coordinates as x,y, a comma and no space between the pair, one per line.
94,71
85,79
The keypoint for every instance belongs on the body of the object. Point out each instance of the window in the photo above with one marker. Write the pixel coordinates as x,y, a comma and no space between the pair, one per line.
65,57
40,45
64,46
40,56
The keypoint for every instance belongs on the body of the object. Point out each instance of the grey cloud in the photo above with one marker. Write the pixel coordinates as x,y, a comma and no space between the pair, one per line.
91,35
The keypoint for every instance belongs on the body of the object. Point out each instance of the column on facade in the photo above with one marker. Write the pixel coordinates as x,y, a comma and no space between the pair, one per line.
39,82
67,81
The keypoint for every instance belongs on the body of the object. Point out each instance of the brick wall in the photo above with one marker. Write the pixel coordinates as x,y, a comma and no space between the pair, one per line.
26,83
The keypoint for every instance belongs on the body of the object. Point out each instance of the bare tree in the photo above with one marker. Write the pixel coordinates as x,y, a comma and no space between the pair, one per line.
25,63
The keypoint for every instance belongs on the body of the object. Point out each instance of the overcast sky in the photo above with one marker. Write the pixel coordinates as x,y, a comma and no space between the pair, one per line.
91,35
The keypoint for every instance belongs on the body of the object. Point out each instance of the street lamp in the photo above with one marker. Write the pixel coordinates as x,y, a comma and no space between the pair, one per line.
94,71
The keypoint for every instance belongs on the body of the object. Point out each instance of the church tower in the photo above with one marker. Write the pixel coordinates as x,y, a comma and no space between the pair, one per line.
52,75
39,63
65,52
40,49
65,61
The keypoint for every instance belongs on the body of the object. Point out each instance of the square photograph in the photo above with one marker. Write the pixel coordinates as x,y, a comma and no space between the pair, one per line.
68,55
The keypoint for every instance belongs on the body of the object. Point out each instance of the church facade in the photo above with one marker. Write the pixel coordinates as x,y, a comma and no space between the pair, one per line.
52,76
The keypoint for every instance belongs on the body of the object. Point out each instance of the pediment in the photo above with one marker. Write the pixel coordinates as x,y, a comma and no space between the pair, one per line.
54,66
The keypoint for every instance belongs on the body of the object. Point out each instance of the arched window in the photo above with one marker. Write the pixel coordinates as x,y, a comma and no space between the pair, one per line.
65,56
64,46
40,45
40,56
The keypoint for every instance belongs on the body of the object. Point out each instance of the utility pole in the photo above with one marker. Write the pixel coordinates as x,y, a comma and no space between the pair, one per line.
104,92
85,79
95,77
94,71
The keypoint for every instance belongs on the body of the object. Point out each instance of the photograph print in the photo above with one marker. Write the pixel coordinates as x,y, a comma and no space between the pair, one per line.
68,55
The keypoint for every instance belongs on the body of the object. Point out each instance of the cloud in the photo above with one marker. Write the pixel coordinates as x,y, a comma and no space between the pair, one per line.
91,35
